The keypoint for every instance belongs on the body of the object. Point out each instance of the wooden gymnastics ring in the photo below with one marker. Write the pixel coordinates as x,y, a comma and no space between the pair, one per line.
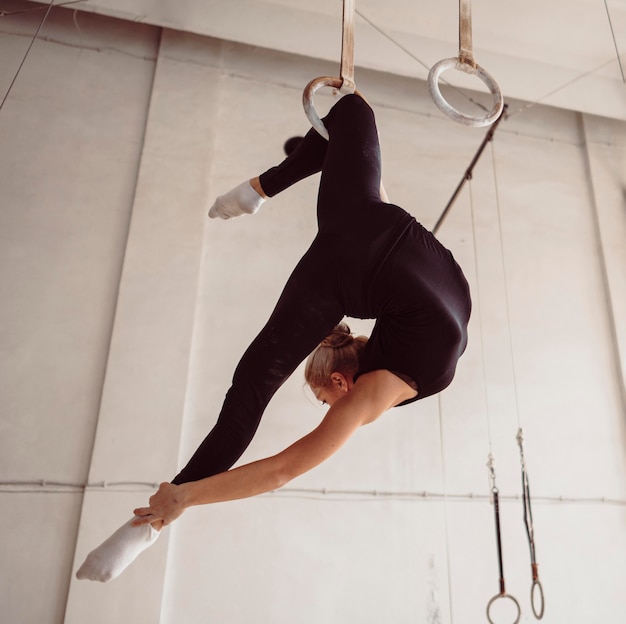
309,91
498,597
465,62
446,108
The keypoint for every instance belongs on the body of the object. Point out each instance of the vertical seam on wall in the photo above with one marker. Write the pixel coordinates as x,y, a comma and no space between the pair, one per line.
194,325
123,264
610,308
216,125
115,310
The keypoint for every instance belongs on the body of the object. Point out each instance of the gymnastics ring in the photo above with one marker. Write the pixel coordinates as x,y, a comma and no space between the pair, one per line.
340,84
497,597
473,69
537,584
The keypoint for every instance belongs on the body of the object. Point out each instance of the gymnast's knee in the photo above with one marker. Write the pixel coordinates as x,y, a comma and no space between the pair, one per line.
354,102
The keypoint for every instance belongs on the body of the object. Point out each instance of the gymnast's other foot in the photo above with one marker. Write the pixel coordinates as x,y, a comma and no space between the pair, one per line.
246,198
116,553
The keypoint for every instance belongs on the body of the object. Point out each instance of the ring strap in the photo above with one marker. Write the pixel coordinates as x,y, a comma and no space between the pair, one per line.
347,48
345,84
466,53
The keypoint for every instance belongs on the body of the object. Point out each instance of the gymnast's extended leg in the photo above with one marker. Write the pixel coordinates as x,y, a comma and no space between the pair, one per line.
305,313
354,156
247,197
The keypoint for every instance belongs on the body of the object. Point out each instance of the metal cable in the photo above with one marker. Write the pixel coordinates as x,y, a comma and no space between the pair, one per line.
52,486
17,73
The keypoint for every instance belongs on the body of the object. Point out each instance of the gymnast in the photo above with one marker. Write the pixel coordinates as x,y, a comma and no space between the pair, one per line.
370,259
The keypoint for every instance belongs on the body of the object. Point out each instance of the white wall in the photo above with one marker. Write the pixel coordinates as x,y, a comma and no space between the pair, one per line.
125,311
71,140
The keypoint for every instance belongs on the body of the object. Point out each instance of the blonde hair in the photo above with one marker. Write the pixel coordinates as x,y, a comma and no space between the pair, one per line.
339,352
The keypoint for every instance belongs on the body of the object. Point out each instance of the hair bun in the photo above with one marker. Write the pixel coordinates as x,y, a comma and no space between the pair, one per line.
339,352
339,337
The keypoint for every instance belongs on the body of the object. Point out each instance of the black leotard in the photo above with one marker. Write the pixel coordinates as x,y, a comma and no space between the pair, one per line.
369,259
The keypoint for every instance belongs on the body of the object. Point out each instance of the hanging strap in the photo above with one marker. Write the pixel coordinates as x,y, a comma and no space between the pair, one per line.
347,48
465,62
466,53
495,493
537,599
345,83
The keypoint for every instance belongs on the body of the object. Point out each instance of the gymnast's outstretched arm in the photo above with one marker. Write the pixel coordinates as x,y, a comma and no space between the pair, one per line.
372,394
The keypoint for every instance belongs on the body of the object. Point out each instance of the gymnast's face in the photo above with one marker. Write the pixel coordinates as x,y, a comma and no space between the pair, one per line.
338,387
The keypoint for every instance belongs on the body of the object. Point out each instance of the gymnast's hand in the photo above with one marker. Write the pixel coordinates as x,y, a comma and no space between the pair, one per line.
165,506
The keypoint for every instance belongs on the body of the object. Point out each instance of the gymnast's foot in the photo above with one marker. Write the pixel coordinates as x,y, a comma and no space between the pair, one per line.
246,198
115,554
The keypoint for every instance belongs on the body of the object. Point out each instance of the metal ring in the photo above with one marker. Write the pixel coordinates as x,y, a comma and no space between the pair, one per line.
433,86
312,88
497,597
537,583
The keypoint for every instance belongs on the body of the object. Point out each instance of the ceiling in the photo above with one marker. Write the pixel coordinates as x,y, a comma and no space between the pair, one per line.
566,53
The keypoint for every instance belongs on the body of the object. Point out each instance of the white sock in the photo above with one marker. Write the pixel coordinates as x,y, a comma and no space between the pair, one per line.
116,553
243,199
